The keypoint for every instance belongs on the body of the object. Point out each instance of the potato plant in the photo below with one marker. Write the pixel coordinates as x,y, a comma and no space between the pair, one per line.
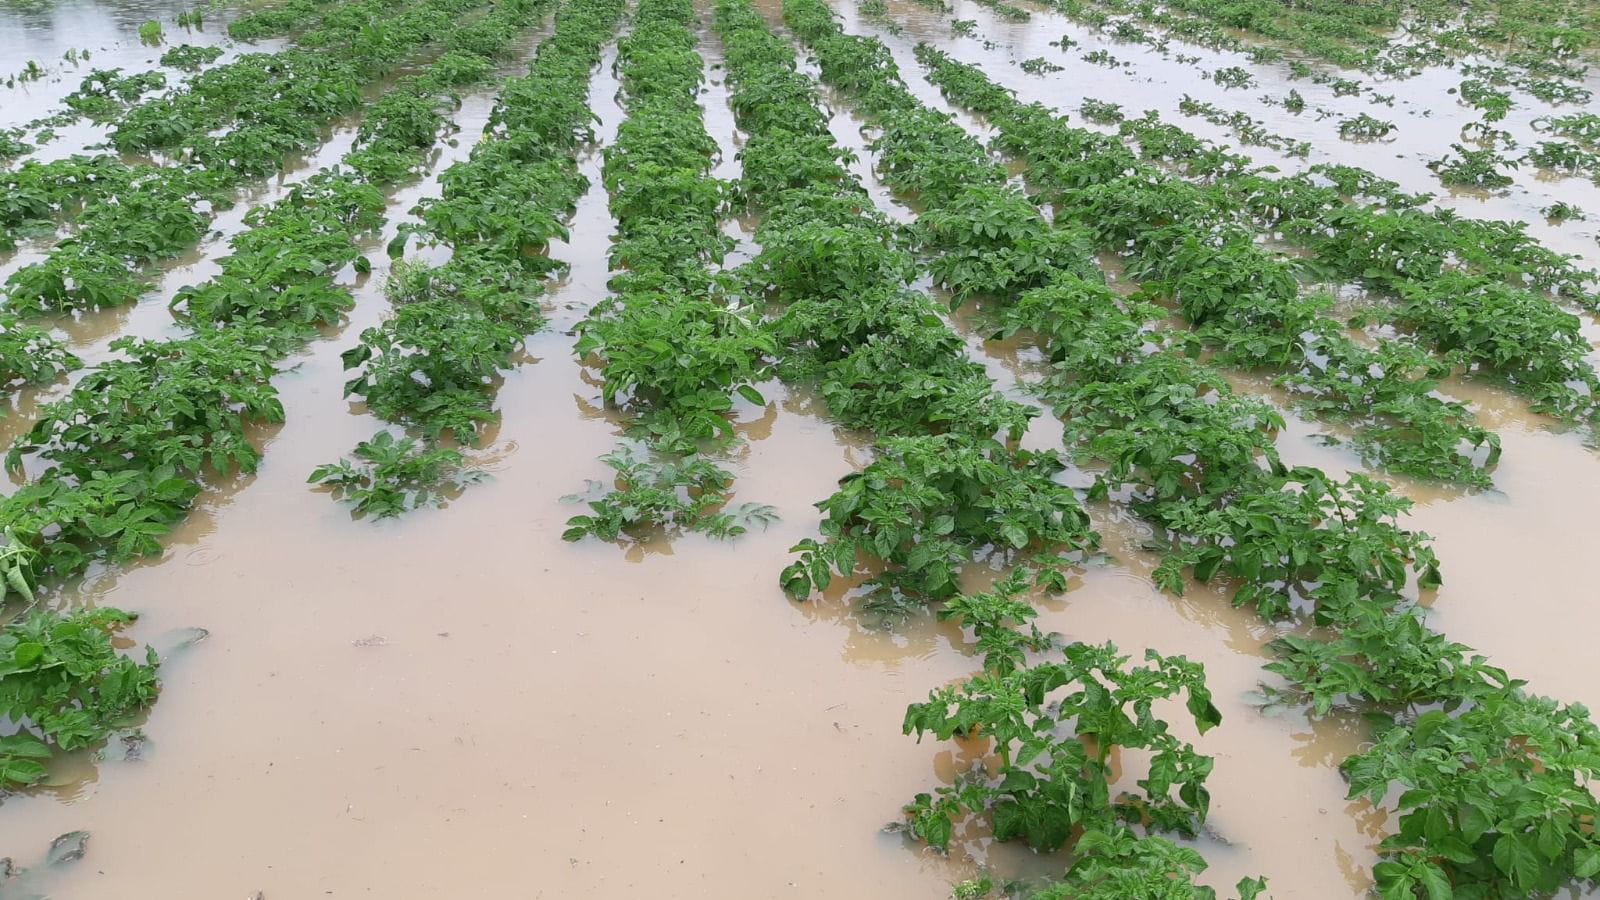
673,347
941,492
926,505
117,462
434,365
1054,727
65,686
1470,750
221,129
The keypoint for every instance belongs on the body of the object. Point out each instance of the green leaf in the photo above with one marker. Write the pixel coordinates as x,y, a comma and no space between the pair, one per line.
27,654
1515,857
23,745
1434,881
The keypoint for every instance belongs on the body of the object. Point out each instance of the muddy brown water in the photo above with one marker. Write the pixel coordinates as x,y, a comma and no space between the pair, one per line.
460,703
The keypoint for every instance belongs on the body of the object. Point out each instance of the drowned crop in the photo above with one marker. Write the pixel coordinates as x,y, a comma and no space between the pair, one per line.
1493,782
673,346
435,364
928,505
218,130
65,685
390,475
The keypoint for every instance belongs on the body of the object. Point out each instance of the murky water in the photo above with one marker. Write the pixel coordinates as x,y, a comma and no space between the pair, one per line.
461,704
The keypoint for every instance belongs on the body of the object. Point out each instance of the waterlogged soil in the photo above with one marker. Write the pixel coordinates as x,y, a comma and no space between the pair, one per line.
459,703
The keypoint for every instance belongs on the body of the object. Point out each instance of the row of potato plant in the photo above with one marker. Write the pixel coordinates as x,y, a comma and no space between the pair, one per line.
227,126
104,95
1493,794
123,456
1499,248
943,492
118,460
1545,45
1470,289
672,347
42,194
1248,306
434,364
1473,290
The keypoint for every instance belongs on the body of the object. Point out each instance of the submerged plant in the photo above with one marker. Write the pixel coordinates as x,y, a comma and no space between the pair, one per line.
1365,127
687,494
64,685
391,475
1054,776
1562,211
1473,168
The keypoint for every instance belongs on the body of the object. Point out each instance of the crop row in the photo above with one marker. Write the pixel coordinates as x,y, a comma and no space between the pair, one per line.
942,492
229,125
38,194
672,349
104,95
1471,290
1493,780
433,365
1407,240
124,454
1239,297
1246,303
1546,42
1494,248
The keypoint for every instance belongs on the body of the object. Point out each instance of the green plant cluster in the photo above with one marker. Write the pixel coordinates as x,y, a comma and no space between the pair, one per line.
1493,782
1578,126
190,58
1054,774
1393,38
391,475
435,364
1365,127
30,354
118,461
34,193
1054,727
12,144
1006,12
274,21
105,92
64,686
1473,168
673,345
943,492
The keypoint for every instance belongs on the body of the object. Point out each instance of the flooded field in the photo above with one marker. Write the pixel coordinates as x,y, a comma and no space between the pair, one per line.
457,701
